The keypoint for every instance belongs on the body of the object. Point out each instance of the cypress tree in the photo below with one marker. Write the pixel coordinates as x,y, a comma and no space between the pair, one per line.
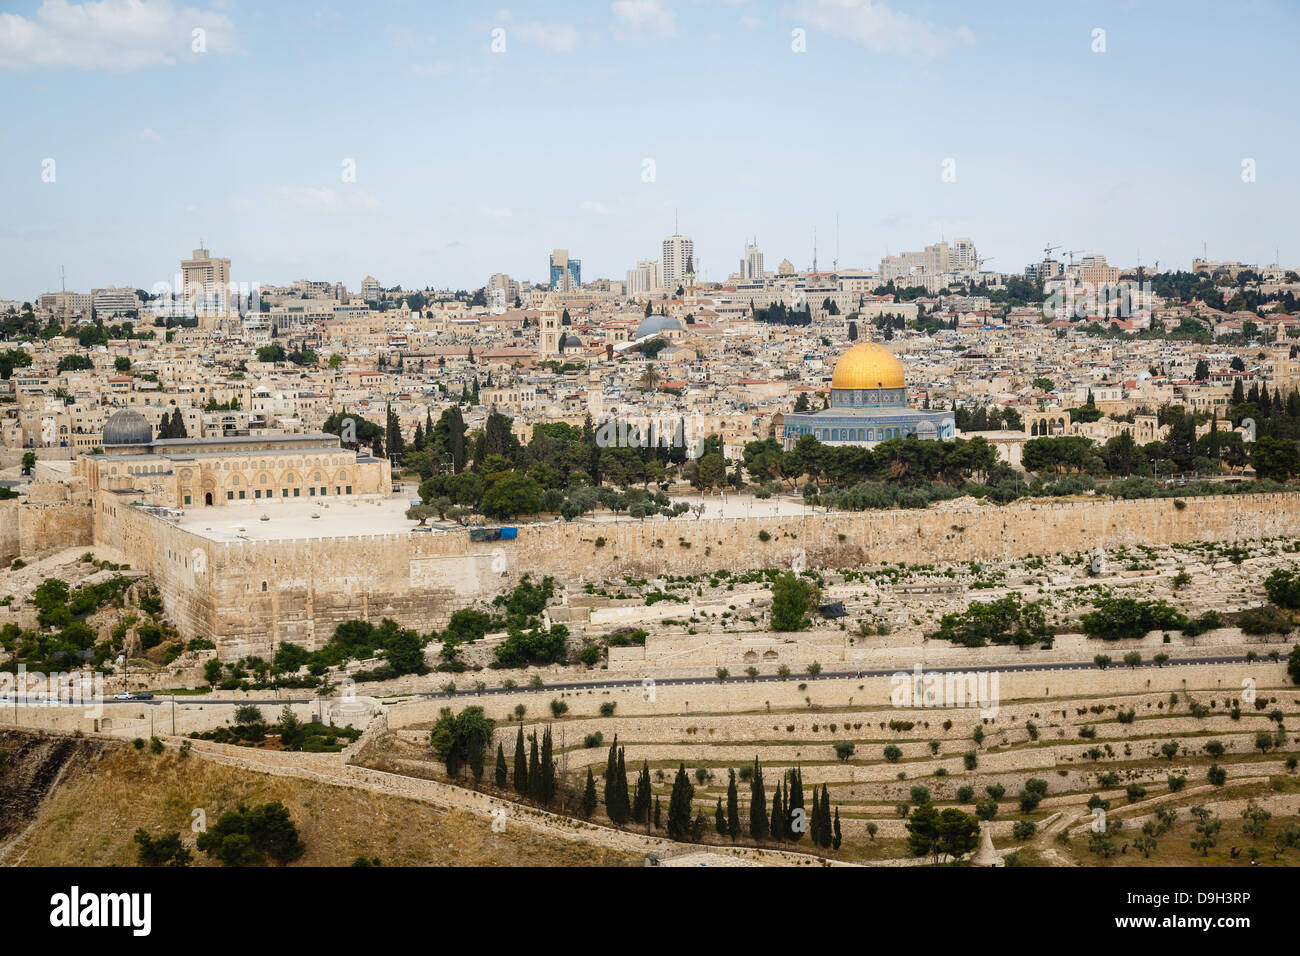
733,808
658,817
720,819
547,785
679,806
624,804
521,765
644,794
796,803
589,796
534,769
829,834
502,773
757,805
838,836
819,828
777,822
611,784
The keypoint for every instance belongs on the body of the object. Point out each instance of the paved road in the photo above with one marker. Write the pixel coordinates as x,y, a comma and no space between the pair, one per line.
702,681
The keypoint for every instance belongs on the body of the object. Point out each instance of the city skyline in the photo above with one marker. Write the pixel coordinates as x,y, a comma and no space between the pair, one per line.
432,161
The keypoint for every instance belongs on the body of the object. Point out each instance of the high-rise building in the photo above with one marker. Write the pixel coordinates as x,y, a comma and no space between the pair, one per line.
933,260
508,288
647,277
566,273
679,259
115,301
751,266
206,283
963,257
370,289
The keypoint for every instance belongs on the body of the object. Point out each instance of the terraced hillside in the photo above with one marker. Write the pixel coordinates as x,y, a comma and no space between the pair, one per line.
1034,766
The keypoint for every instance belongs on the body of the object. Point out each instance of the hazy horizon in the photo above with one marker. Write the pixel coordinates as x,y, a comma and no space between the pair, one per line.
469,162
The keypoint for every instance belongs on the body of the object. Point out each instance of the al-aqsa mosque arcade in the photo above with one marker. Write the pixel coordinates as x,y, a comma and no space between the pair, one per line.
868,405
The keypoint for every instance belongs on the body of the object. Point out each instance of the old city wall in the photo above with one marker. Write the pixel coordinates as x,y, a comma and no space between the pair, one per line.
251,595
42,524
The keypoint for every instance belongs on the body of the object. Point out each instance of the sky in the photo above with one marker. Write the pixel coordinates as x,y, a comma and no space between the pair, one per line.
431,144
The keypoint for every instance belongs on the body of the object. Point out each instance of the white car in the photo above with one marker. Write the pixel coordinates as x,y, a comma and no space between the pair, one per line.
122,696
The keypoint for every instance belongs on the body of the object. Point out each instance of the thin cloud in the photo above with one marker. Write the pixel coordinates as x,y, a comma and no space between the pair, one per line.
556,37
879,28
645,16
114,35
325,199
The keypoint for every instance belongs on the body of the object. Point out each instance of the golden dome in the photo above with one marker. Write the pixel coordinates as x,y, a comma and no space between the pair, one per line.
868,365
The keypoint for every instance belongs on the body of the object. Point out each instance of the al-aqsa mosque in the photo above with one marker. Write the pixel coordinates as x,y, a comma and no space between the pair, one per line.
868,405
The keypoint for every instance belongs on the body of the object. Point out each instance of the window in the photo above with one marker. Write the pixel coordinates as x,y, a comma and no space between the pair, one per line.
296,491
348,490
284,492
187,499
241,495
312,491
322,490
230,496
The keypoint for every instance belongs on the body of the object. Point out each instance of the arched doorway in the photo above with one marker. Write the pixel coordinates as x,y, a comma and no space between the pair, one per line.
207,499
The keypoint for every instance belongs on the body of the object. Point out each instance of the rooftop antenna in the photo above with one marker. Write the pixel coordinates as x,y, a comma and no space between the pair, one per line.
814,268
835,265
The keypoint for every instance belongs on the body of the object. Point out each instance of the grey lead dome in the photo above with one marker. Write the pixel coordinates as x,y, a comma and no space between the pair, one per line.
657,323
127,428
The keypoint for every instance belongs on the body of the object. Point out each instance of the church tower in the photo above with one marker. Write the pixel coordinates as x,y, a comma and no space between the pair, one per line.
548,345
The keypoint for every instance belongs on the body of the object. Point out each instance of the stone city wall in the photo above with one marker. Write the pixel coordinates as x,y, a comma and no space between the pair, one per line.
42,524
250,595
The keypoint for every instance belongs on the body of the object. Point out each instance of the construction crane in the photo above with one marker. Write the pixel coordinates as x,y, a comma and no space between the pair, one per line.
1071,253
979,263
1047,252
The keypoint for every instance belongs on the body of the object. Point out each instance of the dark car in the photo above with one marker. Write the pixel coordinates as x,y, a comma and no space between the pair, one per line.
143,695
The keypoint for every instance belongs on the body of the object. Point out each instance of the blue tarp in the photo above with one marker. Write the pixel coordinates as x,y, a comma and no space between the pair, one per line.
509,534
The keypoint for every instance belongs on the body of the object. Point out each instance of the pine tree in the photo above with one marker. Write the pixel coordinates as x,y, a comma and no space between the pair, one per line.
679,806
757,805
589,796
720,819
521,765
503,774
733,807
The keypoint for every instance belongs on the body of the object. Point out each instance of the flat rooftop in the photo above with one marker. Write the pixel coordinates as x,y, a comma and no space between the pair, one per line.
326,517
330,517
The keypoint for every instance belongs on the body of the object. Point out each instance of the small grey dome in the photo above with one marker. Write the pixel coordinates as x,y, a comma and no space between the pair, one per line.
127,427
657,323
